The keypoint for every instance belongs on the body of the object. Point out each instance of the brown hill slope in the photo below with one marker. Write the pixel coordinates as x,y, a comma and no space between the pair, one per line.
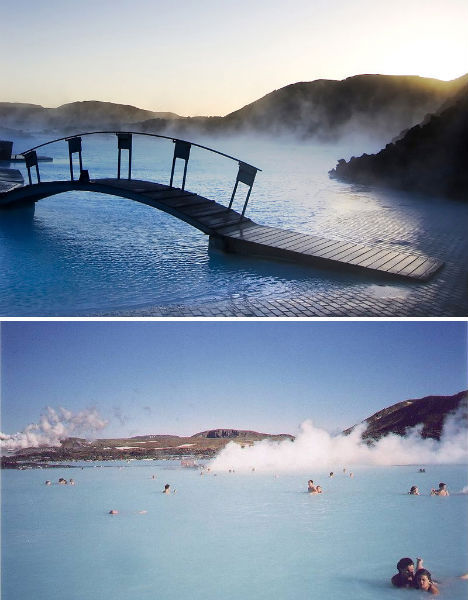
429,412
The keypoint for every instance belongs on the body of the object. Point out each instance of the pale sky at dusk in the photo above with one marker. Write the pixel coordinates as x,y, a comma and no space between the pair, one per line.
183,377
210,57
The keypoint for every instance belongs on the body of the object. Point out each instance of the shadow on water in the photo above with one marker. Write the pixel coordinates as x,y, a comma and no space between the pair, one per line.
18,217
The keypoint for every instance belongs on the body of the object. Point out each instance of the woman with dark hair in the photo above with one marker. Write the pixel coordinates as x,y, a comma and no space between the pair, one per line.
414,491
423,581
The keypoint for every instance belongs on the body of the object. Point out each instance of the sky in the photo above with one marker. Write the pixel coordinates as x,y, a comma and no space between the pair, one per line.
182,377
211,57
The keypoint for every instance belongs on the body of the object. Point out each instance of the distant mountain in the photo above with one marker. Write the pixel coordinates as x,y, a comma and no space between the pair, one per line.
204,444
429,412
326,109
75,116
430,158
241,434
378,105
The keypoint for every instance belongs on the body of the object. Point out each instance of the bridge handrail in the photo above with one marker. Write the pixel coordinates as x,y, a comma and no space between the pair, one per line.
166,137
246,173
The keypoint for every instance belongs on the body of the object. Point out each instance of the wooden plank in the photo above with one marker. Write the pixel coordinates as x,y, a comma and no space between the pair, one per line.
238,228
132,184
416,264
188,201
335,251
289,243
261,231
426,269
380,257
258,232
356,253
266,237
166,194
278,236
201,210
320,244
360,257
397,265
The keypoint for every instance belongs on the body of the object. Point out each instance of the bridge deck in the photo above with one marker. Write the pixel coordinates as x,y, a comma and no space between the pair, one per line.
231,233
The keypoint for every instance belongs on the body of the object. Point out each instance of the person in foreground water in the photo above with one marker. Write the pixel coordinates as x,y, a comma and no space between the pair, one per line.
423,581
414,491
442,491
405,575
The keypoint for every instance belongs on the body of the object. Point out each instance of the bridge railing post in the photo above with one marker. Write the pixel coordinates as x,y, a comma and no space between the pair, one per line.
30,159
246,174
124,142
181,150
74,145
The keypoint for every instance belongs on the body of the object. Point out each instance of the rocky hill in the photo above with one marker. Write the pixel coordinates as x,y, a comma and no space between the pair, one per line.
75,116
429,412
430,158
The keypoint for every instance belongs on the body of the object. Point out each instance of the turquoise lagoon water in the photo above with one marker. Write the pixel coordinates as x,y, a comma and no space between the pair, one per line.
82,253
254,536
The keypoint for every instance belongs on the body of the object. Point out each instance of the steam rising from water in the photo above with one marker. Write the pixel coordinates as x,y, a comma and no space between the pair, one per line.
316,448
54,426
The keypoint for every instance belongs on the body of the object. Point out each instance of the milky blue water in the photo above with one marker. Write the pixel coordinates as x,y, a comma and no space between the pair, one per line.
81,253
253,536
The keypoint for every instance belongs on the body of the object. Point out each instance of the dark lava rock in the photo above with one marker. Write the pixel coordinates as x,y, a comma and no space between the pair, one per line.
430,158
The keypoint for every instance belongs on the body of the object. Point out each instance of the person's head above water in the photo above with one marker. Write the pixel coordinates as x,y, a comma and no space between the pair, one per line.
423,581
405,564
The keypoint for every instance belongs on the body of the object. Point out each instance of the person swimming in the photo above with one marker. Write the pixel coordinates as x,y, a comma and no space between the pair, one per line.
423,581
442,491
167,489
113,512
414,491
405,575
311,487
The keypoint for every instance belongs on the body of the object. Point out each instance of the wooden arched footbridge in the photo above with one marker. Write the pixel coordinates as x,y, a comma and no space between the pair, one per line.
229,230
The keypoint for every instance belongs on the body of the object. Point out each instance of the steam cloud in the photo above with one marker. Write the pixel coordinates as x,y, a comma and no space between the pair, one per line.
54,426
316,448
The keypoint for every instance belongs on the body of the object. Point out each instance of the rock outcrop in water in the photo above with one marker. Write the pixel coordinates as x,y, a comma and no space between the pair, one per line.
430,158
430,413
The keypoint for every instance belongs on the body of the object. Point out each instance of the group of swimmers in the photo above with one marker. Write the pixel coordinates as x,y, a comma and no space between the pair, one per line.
312,488
442,491
61,481
408,578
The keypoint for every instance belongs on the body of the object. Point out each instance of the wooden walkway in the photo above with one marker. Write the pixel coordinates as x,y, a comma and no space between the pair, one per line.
230,232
